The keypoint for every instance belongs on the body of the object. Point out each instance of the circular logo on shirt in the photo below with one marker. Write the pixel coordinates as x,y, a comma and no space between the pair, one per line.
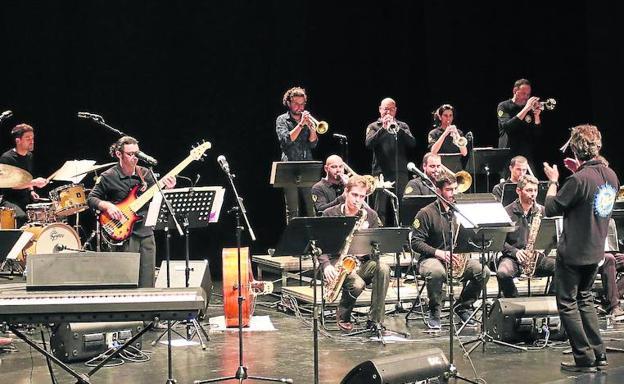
604,199
528,119
408,190
416,224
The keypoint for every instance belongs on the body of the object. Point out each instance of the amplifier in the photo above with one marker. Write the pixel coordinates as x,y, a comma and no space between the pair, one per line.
78,270
72,342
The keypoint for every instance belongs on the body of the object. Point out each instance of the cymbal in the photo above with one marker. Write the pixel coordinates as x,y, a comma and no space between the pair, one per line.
95,168
11,176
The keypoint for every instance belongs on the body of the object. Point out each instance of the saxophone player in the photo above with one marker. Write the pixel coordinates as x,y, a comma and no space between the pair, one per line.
431,239
522,212
356,192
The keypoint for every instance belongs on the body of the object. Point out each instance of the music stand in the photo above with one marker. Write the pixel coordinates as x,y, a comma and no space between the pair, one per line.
12,242
196,207
410,205
510,195
488,238
484,161
375,241
452,161
314,236
296,174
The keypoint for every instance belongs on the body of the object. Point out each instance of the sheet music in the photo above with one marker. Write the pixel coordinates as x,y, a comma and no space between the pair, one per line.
73,167
482,213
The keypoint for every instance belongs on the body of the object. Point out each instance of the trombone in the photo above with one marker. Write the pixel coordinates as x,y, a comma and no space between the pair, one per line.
320,127
372,181
464,179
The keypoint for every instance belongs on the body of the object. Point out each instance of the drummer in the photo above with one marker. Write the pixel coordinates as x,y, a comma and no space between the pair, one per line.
21,156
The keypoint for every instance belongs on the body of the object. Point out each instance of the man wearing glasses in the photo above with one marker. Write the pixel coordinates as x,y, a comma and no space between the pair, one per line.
296,139
115,185
389,139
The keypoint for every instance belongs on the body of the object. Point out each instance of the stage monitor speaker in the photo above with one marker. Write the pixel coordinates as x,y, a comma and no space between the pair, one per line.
199,276
524,319
400,368
80,270
72,342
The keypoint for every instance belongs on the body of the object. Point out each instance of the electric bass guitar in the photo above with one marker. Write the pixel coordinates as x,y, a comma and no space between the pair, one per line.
116,231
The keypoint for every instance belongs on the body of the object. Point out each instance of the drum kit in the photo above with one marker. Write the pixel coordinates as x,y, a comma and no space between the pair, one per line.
47,221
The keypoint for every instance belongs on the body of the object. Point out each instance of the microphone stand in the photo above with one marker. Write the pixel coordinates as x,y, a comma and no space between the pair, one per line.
452,209
397,267
241,372
170,379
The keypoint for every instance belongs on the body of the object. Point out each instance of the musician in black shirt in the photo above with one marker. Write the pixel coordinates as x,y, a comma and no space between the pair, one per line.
21,156
519,121
431,238
586,201
432,166
328,192
114,186
441,137
522,212
518,167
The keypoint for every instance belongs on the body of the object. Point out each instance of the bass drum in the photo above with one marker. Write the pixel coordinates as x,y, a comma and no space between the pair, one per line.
51,238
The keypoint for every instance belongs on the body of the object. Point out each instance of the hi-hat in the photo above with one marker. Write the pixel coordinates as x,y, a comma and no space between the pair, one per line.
11,176
95,168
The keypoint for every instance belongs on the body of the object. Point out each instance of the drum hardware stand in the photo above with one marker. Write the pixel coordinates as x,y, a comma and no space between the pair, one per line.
238,210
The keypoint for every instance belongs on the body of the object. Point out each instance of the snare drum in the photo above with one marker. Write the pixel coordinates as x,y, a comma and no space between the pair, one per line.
42,213
51,238
7,218
69,199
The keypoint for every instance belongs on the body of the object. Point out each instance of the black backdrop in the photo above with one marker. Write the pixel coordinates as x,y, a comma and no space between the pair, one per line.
172,73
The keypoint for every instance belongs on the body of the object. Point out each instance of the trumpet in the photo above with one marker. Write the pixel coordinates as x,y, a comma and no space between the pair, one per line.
458,140
320,127
549,104
393,127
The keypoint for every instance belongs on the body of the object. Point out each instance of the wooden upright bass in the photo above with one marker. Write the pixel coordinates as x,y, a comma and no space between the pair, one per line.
250,287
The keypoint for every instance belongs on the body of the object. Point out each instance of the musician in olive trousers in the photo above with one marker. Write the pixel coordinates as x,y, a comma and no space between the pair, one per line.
115,185
522,212
431,238
369,271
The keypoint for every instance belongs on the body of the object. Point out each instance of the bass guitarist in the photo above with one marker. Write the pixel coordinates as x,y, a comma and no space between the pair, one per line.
115,185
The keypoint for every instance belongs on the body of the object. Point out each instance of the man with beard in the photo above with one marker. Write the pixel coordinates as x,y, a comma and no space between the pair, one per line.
328,192
432,166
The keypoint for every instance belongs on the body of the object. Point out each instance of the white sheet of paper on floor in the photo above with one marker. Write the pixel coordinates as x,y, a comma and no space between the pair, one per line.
257,323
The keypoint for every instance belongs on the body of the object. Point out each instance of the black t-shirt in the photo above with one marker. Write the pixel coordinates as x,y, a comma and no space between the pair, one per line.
586,201
326,195
19,197
516,240
383,145
517,135
447,145
430,230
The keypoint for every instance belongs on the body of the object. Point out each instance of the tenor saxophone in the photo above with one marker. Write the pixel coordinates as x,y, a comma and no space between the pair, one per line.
345,265
530,263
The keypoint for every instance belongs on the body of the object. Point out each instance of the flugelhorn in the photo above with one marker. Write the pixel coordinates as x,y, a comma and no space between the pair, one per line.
459,140
319,126
549,104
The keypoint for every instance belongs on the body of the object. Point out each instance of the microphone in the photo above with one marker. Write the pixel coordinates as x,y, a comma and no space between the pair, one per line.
469,136
412,168
146,158
339,136
224,164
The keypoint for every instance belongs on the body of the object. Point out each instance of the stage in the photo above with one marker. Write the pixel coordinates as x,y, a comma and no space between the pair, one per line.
288,352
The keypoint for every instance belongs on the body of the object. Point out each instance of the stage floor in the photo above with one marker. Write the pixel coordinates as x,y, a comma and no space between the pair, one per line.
288,352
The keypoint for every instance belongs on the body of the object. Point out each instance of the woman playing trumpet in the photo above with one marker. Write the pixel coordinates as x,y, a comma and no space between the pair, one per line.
445,137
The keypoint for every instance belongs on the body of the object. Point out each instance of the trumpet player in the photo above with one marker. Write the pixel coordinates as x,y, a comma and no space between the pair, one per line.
329,191
445,137
522,211
519,121
355,193
389,140
296,139
431,238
